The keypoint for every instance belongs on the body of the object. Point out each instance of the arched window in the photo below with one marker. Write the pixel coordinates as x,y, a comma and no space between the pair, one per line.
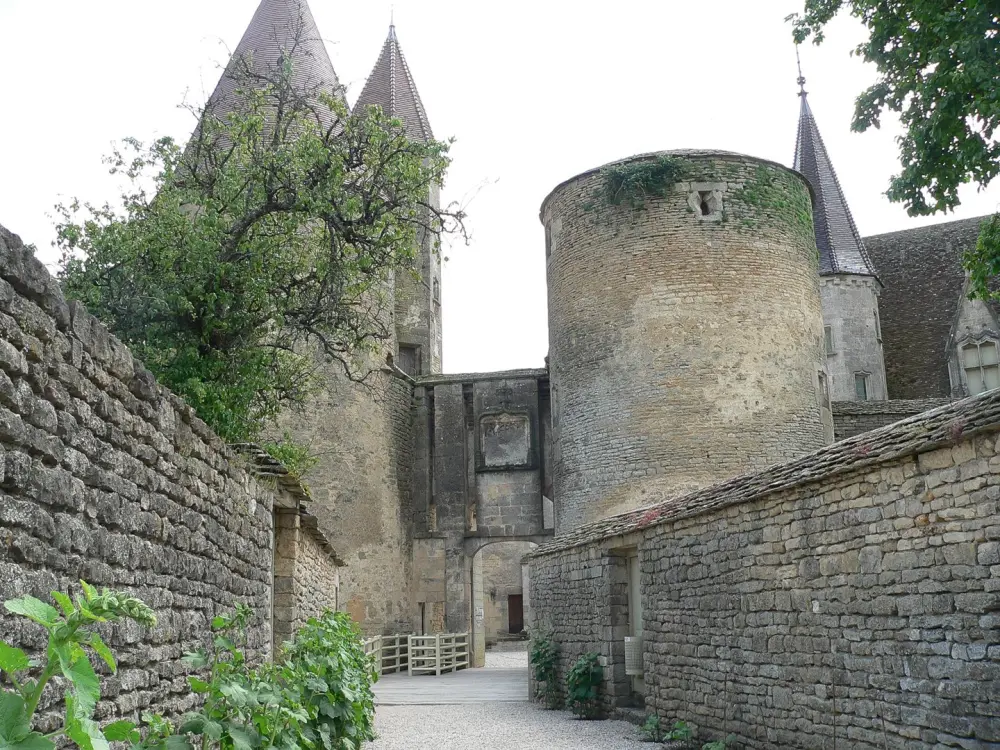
981,365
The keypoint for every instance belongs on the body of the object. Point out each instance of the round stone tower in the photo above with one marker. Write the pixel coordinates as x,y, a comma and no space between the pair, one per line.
685,330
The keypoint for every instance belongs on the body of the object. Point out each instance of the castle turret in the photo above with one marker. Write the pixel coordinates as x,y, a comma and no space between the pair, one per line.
849,286
418,296
685,333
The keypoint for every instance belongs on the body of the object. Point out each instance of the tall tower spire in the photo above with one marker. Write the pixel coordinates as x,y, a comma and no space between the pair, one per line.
840,247
418,299
849,286
280,32
391,87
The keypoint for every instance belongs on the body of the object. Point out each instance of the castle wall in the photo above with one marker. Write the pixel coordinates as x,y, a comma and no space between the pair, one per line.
850,309
848,598
108,477
478,473
418,305
306,575
854,417
360,491
684,346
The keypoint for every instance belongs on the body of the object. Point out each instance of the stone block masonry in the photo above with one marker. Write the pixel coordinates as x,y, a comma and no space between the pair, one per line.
849,598
108,477
851,418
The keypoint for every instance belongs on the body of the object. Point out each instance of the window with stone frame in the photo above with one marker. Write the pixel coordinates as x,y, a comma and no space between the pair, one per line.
861,385
981,365
828,340
409,359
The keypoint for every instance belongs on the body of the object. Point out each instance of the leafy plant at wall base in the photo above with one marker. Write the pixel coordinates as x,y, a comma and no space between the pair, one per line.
316,695
719,744
544,658
653,731
583,685
69,633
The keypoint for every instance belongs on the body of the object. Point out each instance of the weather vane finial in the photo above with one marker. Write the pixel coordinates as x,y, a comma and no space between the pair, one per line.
801,79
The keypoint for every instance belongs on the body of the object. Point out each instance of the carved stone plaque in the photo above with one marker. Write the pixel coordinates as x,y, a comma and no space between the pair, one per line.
505,440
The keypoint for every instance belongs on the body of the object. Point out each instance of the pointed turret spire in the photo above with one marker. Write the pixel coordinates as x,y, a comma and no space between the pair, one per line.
391,87
282,31
840,247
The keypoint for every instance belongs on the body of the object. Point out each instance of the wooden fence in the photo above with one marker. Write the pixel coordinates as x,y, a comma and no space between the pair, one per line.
390,652
434,654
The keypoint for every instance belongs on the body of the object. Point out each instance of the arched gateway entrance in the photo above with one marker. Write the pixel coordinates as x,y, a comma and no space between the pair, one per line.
500,596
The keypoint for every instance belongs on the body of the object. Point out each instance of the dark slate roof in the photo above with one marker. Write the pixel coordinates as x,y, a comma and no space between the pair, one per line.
840,247
391,87
281,27
921,270
946,426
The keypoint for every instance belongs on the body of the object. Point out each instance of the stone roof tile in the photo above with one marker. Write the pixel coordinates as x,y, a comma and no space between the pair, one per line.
391,87
280,28
923,278
840,247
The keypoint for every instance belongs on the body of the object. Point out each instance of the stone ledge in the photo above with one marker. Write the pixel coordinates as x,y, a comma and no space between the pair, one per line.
941,427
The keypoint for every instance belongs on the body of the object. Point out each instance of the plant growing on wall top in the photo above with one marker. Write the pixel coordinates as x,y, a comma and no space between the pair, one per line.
633,182
66,656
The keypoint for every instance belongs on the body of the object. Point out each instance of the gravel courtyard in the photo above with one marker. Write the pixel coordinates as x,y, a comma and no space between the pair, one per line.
459,724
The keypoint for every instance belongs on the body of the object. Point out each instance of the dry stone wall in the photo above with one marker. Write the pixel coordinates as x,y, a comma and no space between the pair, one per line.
849,598
854,417
108,477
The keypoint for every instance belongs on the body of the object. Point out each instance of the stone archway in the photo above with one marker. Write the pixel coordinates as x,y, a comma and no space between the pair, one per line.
500,597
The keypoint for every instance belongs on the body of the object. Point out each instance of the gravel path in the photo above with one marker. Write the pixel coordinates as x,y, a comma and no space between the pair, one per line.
497,726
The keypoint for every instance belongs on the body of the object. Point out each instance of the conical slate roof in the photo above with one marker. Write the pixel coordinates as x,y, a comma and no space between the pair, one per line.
840,247
281,29
391,87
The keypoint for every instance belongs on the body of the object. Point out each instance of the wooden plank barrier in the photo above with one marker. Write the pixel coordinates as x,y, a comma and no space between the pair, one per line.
389,652
435,654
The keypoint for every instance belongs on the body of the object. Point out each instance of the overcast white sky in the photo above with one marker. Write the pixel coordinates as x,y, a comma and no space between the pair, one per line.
534,92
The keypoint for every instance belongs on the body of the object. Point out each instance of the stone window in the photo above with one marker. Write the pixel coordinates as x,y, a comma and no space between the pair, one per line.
437,291
409,359
705,200
828,340
861,385
981,365
878,327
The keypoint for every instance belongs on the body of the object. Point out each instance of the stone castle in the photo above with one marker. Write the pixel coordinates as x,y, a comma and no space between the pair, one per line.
671,472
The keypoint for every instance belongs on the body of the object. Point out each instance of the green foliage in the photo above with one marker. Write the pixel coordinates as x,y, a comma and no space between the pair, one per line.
937,64
937,68
263,251
70,635
779,194
544,659
983,261
298,459
583,685
719,744
652,731
633,182
316,695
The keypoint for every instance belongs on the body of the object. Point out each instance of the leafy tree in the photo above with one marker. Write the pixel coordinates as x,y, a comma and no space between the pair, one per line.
266,248
937,63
